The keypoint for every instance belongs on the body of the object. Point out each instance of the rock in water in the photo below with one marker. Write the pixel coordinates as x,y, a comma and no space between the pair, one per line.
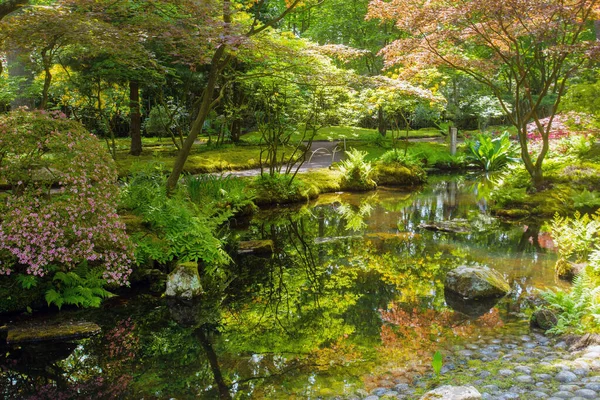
452,226
42,332
476,282
543,319
256,247
447,392
184,281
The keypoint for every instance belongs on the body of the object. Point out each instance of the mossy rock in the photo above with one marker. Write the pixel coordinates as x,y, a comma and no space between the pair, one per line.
513,213
567,270
476,282
42,332
256,247
357,184
184,281
396,174
543,319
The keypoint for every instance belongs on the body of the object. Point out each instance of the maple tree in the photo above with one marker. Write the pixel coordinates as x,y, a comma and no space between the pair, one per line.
229,36
524,51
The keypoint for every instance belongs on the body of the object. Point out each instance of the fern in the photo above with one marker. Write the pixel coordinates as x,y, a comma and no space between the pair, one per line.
27,281
579,309
83,287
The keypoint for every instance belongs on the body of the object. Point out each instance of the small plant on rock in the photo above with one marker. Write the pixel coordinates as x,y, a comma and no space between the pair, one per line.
357,172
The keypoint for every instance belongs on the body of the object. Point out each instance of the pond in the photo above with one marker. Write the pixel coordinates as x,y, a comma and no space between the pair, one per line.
353,291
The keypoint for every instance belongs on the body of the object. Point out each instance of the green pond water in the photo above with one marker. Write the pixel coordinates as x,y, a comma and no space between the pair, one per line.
353,292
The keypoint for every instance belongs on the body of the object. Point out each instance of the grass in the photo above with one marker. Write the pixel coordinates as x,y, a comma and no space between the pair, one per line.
202,160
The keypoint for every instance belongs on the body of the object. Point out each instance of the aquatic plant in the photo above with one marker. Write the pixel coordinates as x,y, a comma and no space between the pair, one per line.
73,223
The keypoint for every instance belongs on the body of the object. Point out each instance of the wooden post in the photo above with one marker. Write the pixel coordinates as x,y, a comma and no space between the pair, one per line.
453,138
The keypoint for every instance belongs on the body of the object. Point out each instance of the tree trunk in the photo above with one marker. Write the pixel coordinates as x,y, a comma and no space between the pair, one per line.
205,107
135,126
381,121
47,80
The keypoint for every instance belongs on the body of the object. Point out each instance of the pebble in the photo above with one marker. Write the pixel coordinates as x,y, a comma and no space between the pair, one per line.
536,366
524,379
565,376
586,393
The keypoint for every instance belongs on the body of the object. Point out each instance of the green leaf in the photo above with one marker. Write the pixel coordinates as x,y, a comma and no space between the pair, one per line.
437,362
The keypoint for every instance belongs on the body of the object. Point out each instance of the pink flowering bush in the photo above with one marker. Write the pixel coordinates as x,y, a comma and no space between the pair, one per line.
61,211
571,132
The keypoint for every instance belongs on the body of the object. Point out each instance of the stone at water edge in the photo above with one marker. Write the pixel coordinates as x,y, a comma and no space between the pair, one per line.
543,319
41,332
256,247
448,392
184,281
476,282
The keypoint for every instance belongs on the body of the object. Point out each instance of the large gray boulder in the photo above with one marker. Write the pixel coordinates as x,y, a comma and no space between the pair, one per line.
184,281
476,282
447,392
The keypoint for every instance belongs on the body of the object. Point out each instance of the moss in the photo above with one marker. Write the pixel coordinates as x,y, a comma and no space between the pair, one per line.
398,174
203,159
46,332
256,246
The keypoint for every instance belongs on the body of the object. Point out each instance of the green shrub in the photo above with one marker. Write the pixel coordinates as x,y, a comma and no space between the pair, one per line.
356,171
491,153
586,199
180,229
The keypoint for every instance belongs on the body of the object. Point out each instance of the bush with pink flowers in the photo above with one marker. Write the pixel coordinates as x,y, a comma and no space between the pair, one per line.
61,209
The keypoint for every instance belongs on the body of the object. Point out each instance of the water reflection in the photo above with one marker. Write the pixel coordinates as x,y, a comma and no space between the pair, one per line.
353,286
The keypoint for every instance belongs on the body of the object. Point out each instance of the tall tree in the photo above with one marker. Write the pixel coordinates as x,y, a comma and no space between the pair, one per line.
229,36
524,51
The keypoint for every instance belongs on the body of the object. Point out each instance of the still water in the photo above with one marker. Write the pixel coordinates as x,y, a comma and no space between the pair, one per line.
353,290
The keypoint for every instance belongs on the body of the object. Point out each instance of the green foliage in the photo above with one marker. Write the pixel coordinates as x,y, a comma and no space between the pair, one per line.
82,287
587,199
27,281
491,153
165,120
575,237
579,309
357,172
181,230
355,219
396,156
437,363
223,191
